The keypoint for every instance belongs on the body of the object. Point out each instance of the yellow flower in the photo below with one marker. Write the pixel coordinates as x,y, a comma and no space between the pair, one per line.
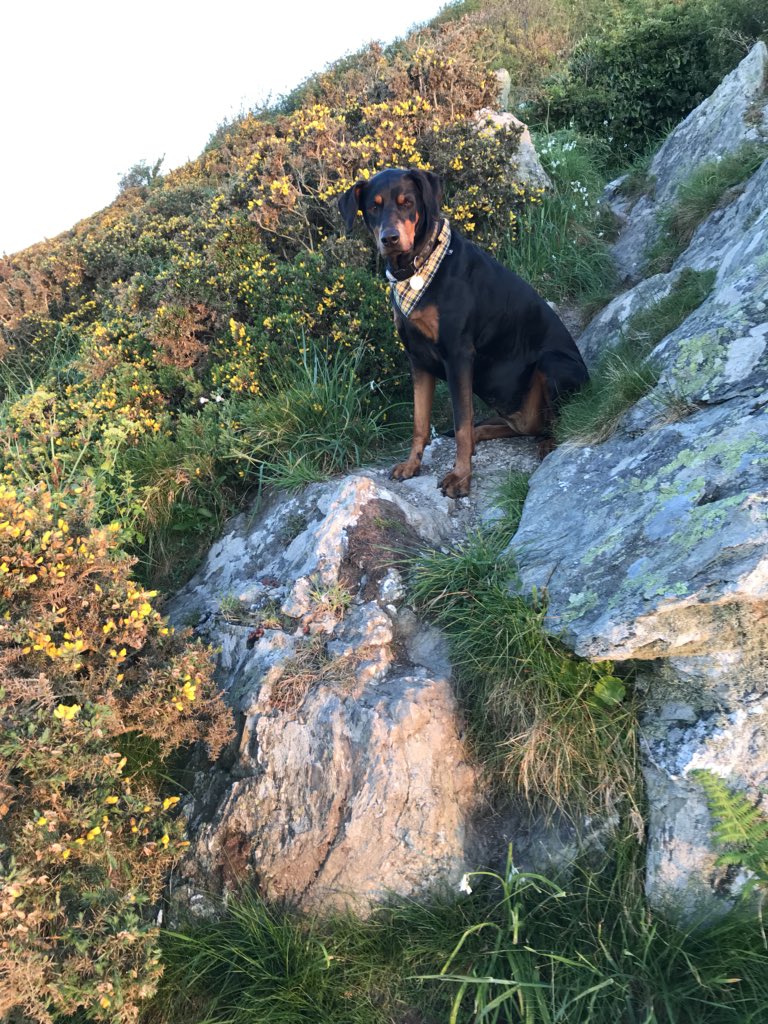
66,711
65,854
104,1002
170,801
95,831
111,799
166,839
42,820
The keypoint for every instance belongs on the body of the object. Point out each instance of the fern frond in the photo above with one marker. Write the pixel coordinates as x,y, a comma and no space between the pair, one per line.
741,827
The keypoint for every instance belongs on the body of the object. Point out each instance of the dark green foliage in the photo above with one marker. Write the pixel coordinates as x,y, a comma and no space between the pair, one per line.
650,66
141,174
625,374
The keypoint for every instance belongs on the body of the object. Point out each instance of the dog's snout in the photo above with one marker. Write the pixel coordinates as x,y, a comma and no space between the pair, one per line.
389,236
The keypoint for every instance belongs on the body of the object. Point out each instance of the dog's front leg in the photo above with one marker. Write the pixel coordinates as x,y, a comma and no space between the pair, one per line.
459,371
423,393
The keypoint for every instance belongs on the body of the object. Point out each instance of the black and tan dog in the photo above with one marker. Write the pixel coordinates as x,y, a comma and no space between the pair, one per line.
464,318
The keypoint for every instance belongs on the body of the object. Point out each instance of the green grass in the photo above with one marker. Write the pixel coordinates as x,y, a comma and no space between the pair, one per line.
519,949
176,492
696,198
318,420
551,726
625,374
560,245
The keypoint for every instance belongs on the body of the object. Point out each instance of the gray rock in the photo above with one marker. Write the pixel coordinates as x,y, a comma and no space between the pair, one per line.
504,84
727,240
653,547
527,168
736,113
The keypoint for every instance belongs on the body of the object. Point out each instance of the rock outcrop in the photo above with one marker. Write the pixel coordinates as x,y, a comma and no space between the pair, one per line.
350,779
653,546
736,113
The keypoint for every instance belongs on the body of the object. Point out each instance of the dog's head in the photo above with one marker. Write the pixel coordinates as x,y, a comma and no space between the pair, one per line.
399,208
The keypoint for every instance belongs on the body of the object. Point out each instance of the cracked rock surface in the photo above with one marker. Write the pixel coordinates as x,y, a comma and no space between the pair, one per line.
350,778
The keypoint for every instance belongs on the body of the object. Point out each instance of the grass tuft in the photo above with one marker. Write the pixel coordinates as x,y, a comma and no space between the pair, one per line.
625,374
554,727
518,948
319,419
696,198
559,245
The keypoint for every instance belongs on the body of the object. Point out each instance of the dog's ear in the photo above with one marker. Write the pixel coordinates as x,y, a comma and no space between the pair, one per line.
349,204
431,189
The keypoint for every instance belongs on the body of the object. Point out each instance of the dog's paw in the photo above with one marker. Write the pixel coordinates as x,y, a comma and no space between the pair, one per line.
405,470
455,485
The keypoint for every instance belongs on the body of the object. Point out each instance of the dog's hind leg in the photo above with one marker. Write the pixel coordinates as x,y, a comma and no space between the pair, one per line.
491,428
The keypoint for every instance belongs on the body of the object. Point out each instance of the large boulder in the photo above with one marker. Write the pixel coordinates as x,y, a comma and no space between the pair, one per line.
350,778
736,113
653,546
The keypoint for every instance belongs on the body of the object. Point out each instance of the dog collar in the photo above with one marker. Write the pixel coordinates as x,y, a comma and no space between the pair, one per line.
406,294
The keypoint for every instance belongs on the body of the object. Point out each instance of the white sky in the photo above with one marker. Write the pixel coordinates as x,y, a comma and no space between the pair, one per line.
91,88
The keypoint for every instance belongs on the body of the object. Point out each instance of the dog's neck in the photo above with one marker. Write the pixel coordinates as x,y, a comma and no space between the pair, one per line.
401,266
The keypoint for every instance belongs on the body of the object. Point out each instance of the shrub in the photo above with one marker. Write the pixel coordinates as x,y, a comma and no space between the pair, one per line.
652,65
86,665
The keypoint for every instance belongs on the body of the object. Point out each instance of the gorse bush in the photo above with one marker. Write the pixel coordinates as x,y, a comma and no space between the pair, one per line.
86,665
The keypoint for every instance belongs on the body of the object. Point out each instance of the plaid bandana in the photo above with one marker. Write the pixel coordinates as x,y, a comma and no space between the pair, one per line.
407,294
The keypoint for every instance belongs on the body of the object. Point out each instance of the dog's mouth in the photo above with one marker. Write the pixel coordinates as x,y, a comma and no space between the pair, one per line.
394,248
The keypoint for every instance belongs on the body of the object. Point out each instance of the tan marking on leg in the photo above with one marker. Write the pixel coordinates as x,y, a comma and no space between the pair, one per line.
426,319
531,417
456,483
423,393
492,428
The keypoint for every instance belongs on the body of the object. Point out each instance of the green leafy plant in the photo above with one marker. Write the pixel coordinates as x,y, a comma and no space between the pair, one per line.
740,831
648,66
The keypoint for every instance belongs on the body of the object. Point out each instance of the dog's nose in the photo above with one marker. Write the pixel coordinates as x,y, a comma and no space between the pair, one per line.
389,237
